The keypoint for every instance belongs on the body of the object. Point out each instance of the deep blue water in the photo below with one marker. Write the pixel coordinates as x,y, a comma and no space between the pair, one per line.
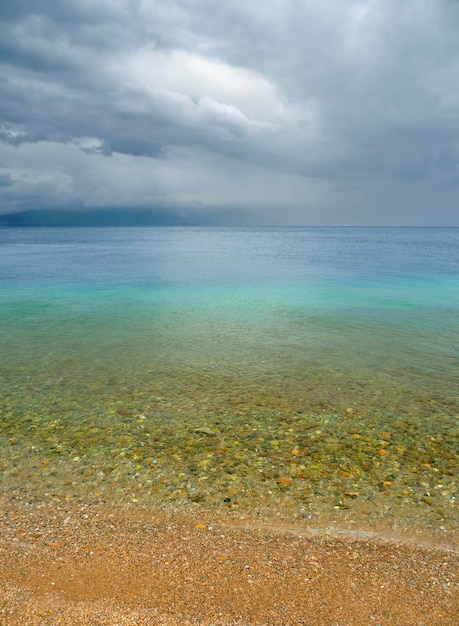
224,257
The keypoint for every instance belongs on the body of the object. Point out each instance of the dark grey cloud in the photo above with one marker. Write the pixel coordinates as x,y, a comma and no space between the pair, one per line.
5,180
343,111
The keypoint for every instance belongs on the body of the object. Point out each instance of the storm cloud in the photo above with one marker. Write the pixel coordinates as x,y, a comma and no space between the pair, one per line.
298,111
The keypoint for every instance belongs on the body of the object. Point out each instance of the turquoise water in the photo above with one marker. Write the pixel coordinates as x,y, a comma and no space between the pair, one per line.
326,358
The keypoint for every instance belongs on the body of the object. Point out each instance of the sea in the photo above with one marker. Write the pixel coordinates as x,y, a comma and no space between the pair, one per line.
302,373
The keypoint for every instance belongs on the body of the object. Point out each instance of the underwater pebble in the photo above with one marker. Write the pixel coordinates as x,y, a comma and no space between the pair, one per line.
203,430
284,481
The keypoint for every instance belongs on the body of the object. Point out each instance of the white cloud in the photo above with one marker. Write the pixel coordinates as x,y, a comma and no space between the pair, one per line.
182,77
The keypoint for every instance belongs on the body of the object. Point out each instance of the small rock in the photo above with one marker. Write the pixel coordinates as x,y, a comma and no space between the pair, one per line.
284,482
197,497
203,430
351,494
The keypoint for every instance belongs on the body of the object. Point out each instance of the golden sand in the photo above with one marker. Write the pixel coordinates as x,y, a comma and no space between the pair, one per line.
95,565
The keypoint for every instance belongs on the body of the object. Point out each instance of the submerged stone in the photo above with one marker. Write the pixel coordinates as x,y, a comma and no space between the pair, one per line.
204,430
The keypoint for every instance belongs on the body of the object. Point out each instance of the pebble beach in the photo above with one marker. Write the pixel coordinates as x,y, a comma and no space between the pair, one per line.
68,565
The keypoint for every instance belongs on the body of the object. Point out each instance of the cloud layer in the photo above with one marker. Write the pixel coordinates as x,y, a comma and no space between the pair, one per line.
304,112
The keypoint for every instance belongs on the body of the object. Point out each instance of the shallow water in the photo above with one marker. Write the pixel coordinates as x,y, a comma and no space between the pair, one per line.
306,371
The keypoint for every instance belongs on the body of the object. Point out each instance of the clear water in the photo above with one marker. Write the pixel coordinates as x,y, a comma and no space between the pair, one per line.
310,370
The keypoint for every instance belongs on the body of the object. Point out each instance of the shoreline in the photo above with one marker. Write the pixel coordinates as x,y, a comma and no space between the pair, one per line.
74,563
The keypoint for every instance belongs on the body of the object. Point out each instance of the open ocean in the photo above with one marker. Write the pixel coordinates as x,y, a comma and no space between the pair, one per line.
291,371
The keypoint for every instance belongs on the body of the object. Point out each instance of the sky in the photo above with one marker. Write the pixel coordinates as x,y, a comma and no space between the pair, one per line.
299,112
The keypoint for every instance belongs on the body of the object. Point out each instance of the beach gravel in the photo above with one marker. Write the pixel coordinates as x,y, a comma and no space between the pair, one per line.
63,564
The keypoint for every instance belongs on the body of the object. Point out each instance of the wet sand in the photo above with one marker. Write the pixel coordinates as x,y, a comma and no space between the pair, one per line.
77,564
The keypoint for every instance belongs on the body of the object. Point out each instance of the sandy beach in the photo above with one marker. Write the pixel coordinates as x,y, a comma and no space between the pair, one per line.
75,564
